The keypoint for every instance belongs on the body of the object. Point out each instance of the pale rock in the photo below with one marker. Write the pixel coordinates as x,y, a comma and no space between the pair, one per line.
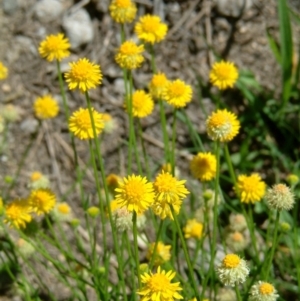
29,125
10,6
48,10
233,8
78,27
119,86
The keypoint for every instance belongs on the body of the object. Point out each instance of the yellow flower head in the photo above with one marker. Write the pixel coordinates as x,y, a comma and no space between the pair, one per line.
112,181
62,212
251,189
204,166
280,197
3,71
80,124
42,201
35,176
168,191
45,107
222,125
142,104
10,113
122,11
236,241
232,270
63,208
263,291
157,85
83,75
129,55
193,229
162,253
158,287
110,123
223,75
177,93
151,29
17,213
55,47
135,193
292,179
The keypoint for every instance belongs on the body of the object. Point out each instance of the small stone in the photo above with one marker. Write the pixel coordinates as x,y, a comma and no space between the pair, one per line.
78,27
48,10
119,86
29,125
10,6
233,8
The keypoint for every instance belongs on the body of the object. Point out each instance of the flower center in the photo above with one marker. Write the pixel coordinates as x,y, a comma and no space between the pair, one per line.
134,191
237,236
231,261
281,188
129,49
158,283
84,120
53,43
81,71
35,176
165,183
250,185
159,81
151,25
223,73
177,89
63,208
123,3
266,289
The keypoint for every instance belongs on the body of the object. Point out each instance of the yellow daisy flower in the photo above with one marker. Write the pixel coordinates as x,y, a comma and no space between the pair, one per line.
3,71
223,75
142,104
45,107
17,213
162,253
251,189
204,166
122,11
42,201
157,85
158,287
83,75
129,55
80,124
135,193
193,229
177,93
168,191
222,125
151,29
233,270
54,47
263,291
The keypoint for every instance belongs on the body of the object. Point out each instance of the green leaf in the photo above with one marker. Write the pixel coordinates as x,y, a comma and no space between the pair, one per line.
274,47
286,47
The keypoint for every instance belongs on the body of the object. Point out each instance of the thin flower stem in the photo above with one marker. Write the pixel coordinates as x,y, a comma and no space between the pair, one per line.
136,250
215,226
274,244
153,65
186,254
102,171
229,163
123,36
173,142
237,292
164,131
198,247
155,245
145,155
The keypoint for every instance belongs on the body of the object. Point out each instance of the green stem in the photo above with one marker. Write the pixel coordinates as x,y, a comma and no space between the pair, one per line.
145,155
215,226
155,245
136,250
153,65
173,141
164,131
237,292
274,244
229,163
186,254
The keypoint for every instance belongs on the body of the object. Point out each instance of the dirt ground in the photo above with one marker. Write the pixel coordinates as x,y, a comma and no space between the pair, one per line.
197,31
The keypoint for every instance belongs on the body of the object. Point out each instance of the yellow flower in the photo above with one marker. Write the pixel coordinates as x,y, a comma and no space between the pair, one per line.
236,241
122,11
162,253
223,75
204,166
17,213
157,85
142,104
168,191
263,291
151,29
35,176
129,55
42,201
62,212
193,229
233,270
177,93
222,125
112,181
110,123
251,189
80,124
292,179
3,71
45,107
83,75
54,47
135,193
158,287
